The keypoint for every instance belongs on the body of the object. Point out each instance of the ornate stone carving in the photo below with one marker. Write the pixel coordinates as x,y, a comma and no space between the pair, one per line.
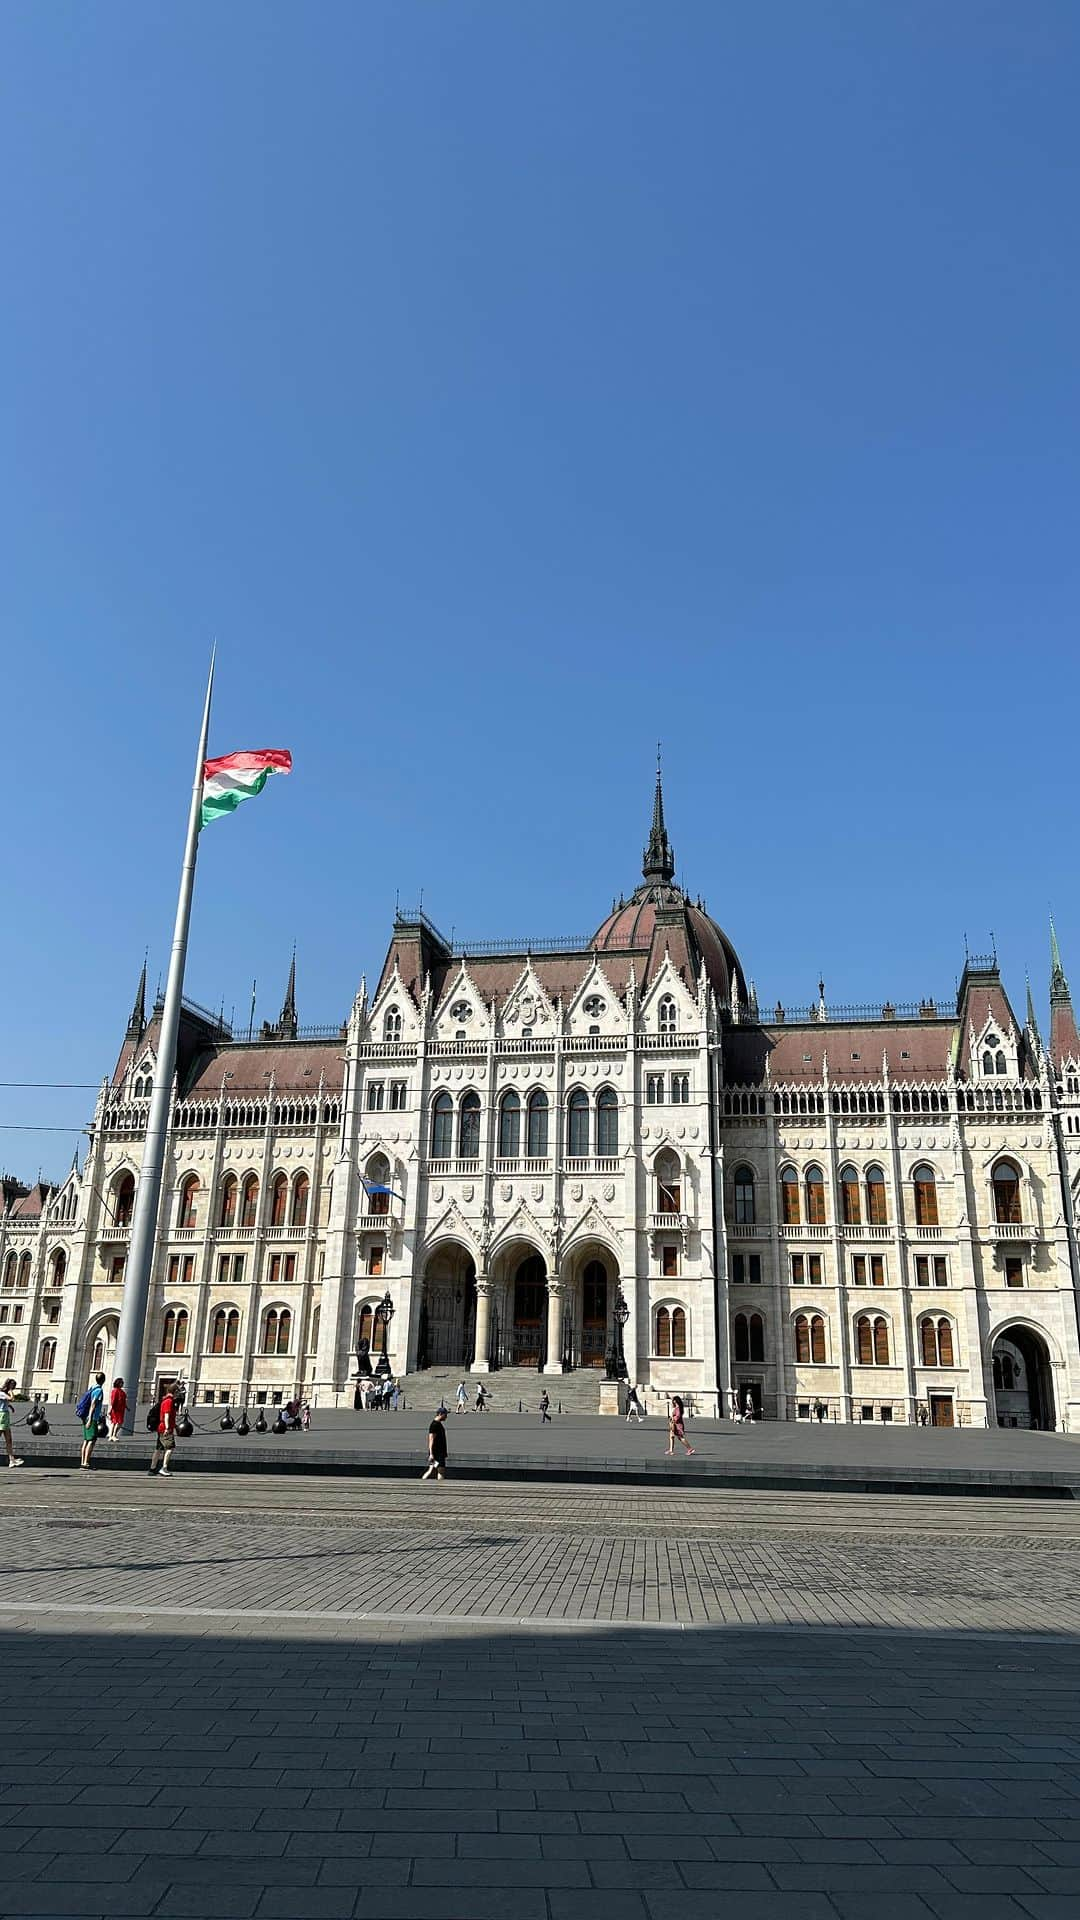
609,1191
506,1191
467,1191
576,1190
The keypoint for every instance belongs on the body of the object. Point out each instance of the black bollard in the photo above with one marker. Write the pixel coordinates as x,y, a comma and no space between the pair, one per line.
36,1420
183,1426
260,1423
227,1421
242,1427
279,1423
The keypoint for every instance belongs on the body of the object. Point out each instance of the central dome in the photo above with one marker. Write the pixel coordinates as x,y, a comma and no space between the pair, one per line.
659,918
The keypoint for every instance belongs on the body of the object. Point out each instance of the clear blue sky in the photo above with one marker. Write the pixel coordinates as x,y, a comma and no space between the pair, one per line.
504,386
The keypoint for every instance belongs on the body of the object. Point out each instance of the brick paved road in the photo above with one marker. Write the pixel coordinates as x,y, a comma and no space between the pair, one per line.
224,1700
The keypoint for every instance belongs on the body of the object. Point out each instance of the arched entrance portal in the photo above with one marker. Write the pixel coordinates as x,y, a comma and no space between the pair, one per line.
446,1333
530,1312
1023,1383
100,1349
594,1314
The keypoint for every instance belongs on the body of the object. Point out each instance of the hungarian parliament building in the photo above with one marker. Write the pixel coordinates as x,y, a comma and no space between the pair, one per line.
586,1158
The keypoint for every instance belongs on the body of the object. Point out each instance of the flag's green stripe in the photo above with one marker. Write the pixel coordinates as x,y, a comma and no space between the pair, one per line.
219,803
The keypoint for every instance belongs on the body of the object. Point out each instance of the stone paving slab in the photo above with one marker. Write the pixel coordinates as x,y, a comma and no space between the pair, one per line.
581,1448
222,1699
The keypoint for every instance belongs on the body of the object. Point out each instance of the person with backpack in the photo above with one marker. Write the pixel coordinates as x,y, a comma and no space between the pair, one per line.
117,1410
91,1411
164,1426
7,1409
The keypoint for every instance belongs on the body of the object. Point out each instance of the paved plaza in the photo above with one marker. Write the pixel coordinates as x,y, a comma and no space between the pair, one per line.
227,1697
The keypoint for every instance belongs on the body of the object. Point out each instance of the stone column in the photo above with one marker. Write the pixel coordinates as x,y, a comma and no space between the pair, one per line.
483,1324
553,1364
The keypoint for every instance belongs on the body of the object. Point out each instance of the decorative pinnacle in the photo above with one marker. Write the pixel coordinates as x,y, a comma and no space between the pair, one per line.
1059,986
658,861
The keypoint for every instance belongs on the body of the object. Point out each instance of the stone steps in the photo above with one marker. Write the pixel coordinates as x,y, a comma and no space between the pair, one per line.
577,1392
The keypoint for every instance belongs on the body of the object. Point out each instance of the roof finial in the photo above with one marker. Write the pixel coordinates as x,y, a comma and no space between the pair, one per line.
1059,986
287,1022
137,1022
658,861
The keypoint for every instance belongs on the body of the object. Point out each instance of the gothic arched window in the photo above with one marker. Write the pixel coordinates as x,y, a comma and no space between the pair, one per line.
509,1127
663,1333
469,1128
850,1197
876,1210
881,1342
945,1343
745,1214
815,1197
536,1144
1006,1185
577,1112
666,1016
249,1203
607,1122
47,1356
789,1197
189,1194
124,1203
229,1190
924,1182
279,1199
442,1127
392,1024
301,1190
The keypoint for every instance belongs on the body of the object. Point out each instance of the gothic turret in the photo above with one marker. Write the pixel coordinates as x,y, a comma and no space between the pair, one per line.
1064,1039
658,860
136,1025
285,1027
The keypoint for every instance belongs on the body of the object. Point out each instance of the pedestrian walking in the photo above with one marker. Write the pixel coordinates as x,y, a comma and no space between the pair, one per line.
91,1412
677,1425
117,1410
7,1412
462,1398
165,1443
305,1416
395,1398
436,1442
634,1408
545,1407
481,1398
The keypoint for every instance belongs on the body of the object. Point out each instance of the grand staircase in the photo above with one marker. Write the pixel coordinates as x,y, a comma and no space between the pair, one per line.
577,1392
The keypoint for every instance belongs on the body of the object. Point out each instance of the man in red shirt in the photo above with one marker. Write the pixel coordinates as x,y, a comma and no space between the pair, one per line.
166,1432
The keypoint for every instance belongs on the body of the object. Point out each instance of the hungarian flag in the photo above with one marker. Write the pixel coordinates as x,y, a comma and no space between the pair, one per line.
239,776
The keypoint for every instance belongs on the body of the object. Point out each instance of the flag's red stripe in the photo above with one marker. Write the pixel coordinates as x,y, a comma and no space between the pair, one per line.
276,759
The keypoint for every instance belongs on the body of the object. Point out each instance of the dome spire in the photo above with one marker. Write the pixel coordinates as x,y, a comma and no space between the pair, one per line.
658,860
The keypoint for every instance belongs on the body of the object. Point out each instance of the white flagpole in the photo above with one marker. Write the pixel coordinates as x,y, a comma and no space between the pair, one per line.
131,1337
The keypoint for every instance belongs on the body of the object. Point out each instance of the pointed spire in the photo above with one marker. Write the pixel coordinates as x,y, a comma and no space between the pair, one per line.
287,1021
658,860
1064,1039
1059,986
1031,1017
136,1026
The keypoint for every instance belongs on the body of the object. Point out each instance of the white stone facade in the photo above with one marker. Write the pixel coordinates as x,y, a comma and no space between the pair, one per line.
841,1215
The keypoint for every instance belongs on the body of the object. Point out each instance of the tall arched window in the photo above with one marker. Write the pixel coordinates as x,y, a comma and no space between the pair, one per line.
802,1340
376,1182
47,1356
577,1113
881,1342
945,1343
300,1192
189,1195
392,1024
924,1183
225,1330
668,1183
876,1211
789,1197
928,1342
817,1340
277,1327
7,1353
666,1016
442,1127
229,1191
815,1197
999,1063
509,1126
987,1061
249,1200
365,1321
124,1202
749,1336
313,1336
745,1212
24,1271
537,1125
469,1128
663,1333
864,1341
10,1265
1006,1184
607,1121
850,1197
678,1333
174,1331
58,1268
279,1199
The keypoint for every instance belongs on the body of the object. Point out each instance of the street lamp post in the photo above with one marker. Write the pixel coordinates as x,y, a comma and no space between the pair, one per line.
616,1359
384,1313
